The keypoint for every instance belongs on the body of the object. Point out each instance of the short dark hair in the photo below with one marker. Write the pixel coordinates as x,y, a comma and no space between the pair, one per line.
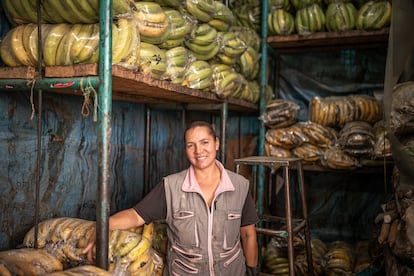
210,127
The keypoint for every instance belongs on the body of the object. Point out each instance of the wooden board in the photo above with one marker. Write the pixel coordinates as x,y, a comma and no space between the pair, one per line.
17,72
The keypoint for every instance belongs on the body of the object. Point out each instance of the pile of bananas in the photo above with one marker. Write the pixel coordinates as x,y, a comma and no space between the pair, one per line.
226,81
338,110
340,16
198,75
152,61
65,44
335,158
177,60
300,4
248,63
276,263
65,238
308,153
319,135
310,19
169,3
180,26
248,14
28,261
252,92
223,17
153,23
287,137
55,11
357,139
202,10
374,15
280,113
272,150
280,22
231,48
82,270
319,250
339,258
203,42
248,35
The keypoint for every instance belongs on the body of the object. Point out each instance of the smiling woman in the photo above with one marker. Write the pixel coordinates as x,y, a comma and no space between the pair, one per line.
210,214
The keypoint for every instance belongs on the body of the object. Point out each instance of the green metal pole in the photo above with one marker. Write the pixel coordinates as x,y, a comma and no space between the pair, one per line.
104,133
46,84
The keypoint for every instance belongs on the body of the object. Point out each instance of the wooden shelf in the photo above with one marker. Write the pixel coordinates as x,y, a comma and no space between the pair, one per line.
131,86
323,41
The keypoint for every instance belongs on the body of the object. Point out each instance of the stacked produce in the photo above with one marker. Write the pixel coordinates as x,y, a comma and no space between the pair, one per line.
280,22
357,138
66,238
177,60
339,259
231,48
203,42
374,15
28,261
198,75
319,250
202,10
223,17
226,81
335,158
280,113
340,16
180,26
309,18
152,61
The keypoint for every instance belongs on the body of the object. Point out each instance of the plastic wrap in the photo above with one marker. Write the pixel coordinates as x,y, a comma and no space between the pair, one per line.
374,15
198,75
178,59
308,153
319,135
223,17
275,151
382,146
180,26
286,138
226,81
231,48
340,16
280,22
310,19
335,158
280,113
248,35
152,60
202,10
203,42
339,259
248,64
357,138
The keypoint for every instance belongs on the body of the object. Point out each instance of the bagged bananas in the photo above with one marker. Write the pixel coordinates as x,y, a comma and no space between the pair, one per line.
367,108
231,48
335,158
339,258
272,150
280,22
152,60
226,81
374,15
223,17
180,26
310,19
153,23
280,113
340,16
382,146
202,10
203,42
308,153
287,138
198,75
55,11
319,135
248,63
357,139
28,261
248,35
177,60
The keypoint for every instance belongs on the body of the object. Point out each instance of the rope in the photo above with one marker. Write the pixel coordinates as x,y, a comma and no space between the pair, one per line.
32,82
86,106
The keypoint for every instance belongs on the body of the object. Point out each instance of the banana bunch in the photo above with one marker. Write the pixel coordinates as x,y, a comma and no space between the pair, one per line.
177,60
319,250
252,93
180,26
202,10
280,113
248,63
374,15
308,153
340,16
28,261
82,270
287,137
248,15
169,3
203,42
367,108
153,23
56,11
198,75
126,43
331,111
277,264
335,158
357,138
231,48
271,150
300,4
280,22
223,17
226,81
152,60
248,35
339,259
319,135
310,19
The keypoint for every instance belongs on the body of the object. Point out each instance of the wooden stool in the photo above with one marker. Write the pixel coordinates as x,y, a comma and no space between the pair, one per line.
286,164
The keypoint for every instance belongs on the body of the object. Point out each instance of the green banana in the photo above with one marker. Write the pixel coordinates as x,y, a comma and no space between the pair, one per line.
201,49
219,25
14,14
78,15
122,47
87,10
207,56
17,45
85,34
171,43
58,13
200,15
27,9
6,52
386,17
91,46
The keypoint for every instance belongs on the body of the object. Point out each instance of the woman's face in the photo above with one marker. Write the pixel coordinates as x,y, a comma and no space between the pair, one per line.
201,147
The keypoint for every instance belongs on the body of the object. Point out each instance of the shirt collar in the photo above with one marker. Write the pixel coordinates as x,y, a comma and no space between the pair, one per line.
190,183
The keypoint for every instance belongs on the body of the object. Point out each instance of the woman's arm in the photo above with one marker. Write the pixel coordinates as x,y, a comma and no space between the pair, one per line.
249,242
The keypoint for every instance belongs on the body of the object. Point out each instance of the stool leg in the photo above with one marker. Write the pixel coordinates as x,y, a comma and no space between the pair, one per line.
288,211
306,218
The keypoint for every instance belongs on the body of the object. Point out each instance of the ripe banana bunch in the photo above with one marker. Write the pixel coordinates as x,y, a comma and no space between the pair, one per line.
308,153
248,15
367,108
271,150
82,270
231,48
177,60
280,22
198,75
202,10
283,137
152,60
125,43
223,18
28,261
340,16
277,263
180,26
248,63
153,23
319,135
336,158
252,92
226,81
55,11
374,15
203,42
310,19
339,259
281,113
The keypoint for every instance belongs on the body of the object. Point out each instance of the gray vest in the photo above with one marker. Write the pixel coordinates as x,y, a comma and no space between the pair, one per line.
203,241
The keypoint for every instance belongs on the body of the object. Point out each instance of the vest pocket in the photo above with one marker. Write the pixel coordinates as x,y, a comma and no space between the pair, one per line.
178,267
232,229
184,228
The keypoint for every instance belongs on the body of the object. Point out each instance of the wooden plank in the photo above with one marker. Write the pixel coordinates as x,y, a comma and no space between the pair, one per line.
24,72
69,71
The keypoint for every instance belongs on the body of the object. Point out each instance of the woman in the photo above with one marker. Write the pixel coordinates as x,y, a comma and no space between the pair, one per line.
209,212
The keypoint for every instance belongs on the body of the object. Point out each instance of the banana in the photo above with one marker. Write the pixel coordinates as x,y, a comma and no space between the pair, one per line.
15,12
386,18
17,46
171,43
52,40
91,46
150,12
77,15
126,242
141,264
207,56
28,7
29,30
87,10
206,6
201,49
121,8
142,247
63,50
203,39
200,15
219,25
85,34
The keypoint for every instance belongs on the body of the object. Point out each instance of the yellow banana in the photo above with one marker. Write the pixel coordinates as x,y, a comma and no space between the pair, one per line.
91,46
142,247
86,9
52,40
126,242
122,46
85,33
148,231
141,265
63,56
17,45
6,53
